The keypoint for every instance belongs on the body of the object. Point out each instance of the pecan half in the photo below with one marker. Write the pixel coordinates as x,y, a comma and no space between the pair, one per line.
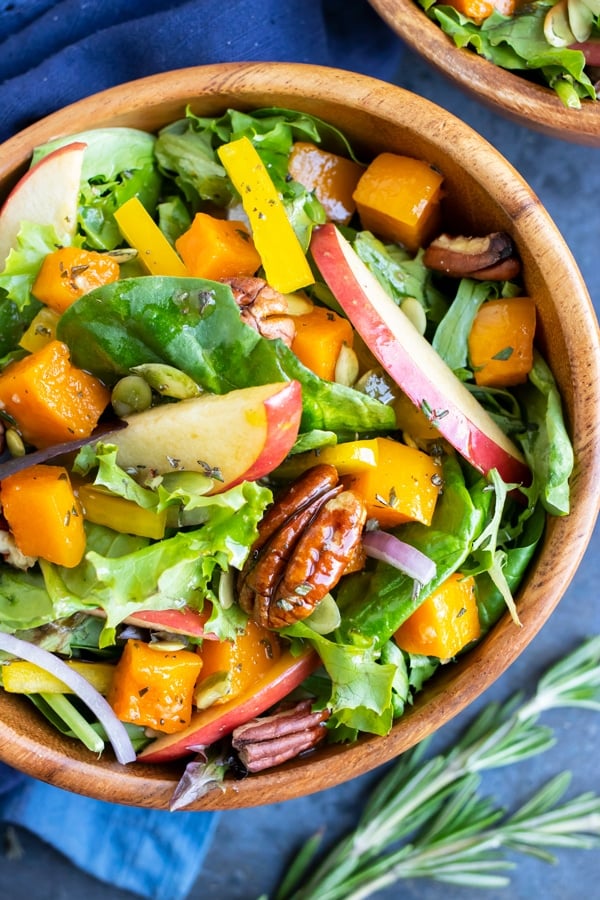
468,257
268,741
305,543
262,307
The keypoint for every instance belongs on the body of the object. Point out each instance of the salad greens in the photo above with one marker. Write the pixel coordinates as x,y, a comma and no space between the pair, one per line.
518,43
193,325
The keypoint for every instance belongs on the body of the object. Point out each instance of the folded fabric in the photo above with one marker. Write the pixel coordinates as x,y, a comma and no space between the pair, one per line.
71,49
150,852
54,53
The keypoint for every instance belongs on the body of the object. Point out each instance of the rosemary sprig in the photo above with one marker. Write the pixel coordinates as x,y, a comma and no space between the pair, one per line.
426,817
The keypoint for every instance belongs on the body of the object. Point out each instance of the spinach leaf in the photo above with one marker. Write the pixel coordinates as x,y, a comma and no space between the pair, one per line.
194,325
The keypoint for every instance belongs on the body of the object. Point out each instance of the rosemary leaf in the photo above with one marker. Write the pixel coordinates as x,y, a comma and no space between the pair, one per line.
427,819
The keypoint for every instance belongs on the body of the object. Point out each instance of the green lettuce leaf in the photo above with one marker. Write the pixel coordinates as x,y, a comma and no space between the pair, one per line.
361,686
121,574
517,43
118,164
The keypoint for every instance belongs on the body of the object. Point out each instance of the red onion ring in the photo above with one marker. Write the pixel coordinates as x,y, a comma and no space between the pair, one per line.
115,730
389,549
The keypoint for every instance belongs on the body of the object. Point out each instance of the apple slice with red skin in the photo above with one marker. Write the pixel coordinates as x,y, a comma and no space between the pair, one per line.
47,194
412,362
242,435
176,621
211,724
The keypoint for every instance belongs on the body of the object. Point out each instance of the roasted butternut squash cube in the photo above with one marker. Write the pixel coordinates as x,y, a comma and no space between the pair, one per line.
398,199
480,10
153,687
445,622
71,272
229,668
501,341
217,248
50,399
333,178
320,335
402,487
44,515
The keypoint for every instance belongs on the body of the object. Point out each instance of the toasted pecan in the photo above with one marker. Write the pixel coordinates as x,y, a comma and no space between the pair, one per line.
461,257
306,541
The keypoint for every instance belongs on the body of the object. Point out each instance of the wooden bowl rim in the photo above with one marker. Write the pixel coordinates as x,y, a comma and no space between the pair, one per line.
64,763
508,93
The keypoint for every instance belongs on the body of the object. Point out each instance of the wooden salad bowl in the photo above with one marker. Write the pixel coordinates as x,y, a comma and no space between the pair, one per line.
487,195
507,93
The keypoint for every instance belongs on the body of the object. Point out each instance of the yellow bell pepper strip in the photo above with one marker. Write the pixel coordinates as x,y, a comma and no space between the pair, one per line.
349,458
403,487
285,264
21,677
154,687
445,622
43,514
141,232
41,330
103,508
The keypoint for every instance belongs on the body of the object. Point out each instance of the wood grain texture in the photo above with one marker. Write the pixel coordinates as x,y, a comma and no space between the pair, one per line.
483,193
507,93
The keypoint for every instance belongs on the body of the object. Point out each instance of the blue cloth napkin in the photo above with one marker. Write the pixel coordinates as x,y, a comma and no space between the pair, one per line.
51,54
56,52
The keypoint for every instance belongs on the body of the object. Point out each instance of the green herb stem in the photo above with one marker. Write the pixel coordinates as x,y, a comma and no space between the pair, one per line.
81,728
456,836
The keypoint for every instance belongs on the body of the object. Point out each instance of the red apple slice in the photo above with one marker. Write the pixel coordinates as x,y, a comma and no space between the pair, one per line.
208,725
176,621
242,435
412,362
48,194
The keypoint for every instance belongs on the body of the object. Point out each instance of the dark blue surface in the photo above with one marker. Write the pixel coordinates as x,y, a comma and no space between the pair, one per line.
54,53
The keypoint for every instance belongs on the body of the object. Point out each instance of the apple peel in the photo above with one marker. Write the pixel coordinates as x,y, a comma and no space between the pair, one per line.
47,194
412,362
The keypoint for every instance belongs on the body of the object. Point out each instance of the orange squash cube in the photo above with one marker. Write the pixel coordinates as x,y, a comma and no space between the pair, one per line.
70,272
479,10
217,248
445,622
51,400
501,341
44,514
153,687
333,178
229,668
320,335
398,199
402,487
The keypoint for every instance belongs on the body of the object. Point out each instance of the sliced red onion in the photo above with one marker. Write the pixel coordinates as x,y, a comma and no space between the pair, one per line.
389,549
115,730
